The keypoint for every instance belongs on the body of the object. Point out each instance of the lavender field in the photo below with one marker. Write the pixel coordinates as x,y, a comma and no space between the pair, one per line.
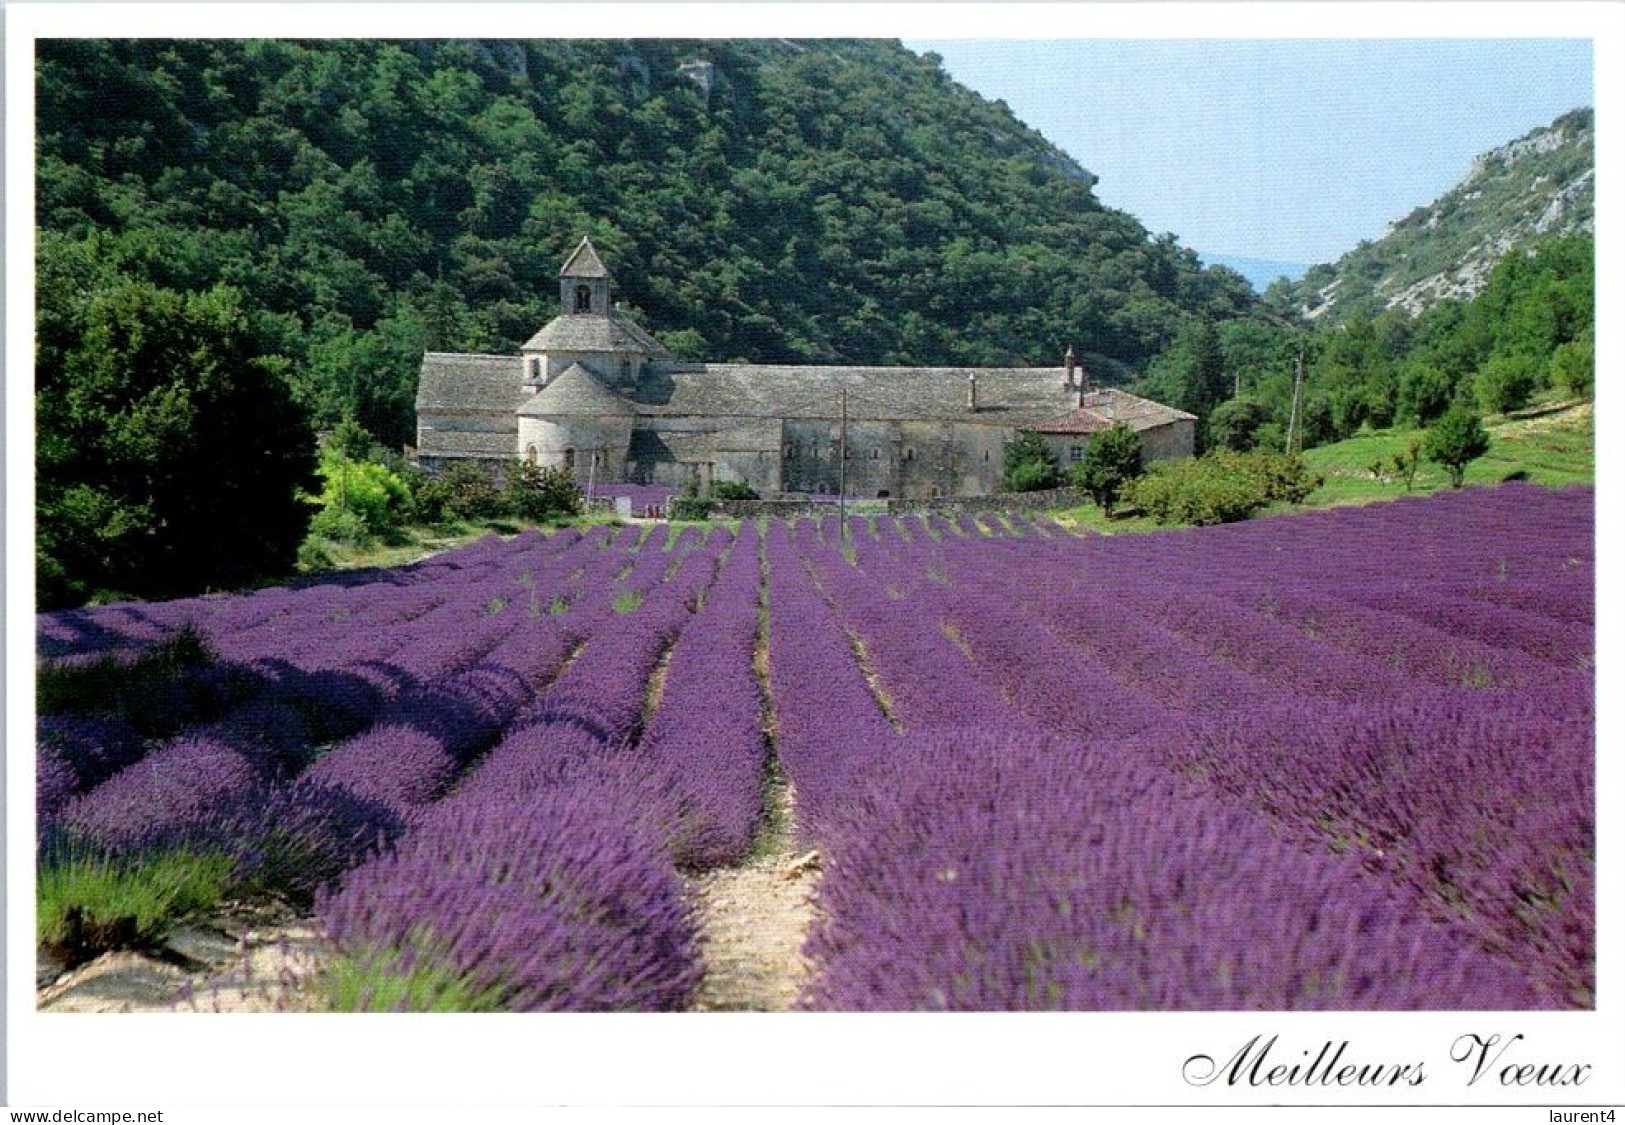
1338,760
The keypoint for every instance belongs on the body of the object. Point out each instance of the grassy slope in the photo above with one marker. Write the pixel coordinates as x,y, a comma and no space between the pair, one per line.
1552,443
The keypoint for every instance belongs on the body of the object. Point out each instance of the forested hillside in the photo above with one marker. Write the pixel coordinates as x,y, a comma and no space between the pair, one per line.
1538,186
1528,331
774,200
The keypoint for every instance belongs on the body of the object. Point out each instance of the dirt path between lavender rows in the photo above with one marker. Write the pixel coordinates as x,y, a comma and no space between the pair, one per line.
755,917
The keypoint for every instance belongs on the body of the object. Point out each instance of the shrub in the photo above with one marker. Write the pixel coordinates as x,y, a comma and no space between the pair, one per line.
431,497
534,493
1220,487
471,494
372,492
691,507
1507,382
340,525
314,556
733,490
1029,465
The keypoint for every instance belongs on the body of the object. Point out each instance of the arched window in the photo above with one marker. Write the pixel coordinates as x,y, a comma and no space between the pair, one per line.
530,454
583,298
908,453
874,455
535,367
569,459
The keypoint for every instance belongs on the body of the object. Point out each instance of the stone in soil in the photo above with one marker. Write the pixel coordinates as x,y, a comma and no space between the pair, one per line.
115,982
201,968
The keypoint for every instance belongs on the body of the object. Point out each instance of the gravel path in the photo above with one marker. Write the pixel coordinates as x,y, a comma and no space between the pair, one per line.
755,919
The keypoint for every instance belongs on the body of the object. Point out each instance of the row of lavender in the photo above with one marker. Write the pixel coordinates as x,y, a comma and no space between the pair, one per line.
550,879
1047,772
475,776
328,662
1106,773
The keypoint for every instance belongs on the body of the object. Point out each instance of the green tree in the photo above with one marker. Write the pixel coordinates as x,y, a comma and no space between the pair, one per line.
1235,424
1109,464
1424,391
1029,465
1572,367
1190,375
1507,382
1455,440
348,442
171,456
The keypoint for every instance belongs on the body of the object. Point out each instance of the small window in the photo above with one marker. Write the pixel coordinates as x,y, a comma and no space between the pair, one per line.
536,367
583,298
530,454
1076,453
874,455
908,453
986,455
570,459
626,371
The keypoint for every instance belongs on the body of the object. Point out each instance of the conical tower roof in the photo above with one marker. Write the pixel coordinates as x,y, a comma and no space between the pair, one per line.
585,262
577,392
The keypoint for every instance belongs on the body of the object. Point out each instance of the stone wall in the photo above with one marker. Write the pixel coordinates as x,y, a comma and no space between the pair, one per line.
1041,501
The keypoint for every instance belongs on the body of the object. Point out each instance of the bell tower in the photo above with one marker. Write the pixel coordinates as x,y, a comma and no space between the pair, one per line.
584,283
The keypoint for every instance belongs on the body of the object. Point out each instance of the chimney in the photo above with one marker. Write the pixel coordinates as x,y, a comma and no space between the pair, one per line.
1071,363
1083,380
1077,397
970,395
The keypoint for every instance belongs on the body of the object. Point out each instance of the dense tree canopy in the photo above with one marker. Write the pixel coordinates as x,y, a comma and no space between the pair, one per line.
1528,329
841,201
170,451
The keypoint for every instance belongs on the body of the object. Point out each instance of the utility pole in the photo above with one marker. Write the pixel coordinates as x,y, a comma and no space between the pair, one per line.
592,463
842,489
1297,394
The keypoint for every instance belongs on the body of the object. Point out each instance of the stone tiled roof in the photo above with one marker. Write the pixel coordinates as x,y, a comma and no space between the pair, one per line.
1027,397
576,392
469,383
1103,409
1006,396
459,443
585,262
1075,422
593,332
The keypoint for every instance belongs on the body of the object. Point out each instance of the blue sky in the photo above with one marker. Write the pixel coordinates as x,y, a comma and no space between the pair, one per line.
1291,150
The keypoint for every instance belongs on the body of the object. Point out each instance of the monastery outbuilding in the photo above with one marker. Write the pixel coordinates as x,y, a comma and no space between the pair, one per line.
594,391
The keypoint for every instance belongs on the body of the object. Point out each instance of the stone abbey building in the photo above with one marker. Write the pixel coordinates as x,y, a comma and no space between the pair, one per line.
594,391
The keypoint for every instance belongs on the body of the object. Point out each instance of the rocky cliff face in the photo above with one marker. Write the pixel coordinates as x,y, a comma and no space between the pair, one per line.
1540,184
